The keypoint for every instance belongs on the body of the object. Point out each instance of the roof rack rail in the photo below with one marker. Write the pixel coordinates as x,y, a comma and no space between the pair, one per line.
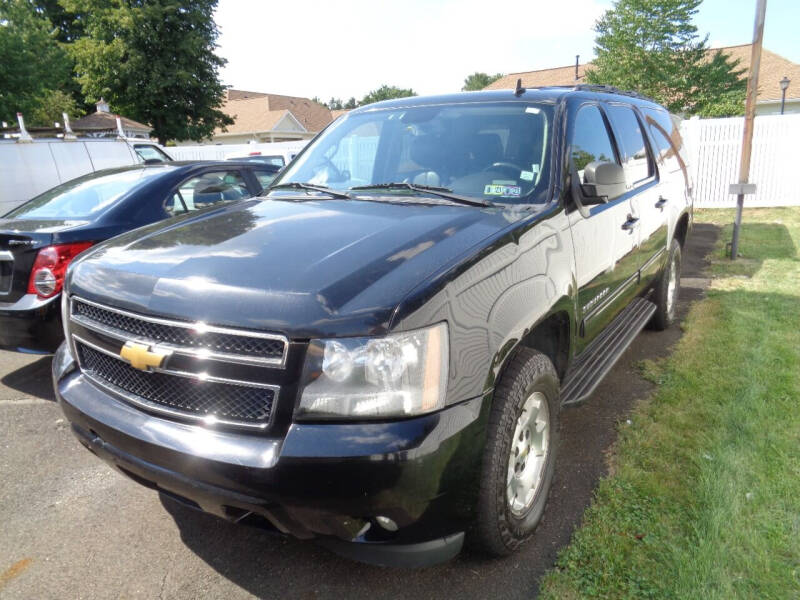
585,87
610,89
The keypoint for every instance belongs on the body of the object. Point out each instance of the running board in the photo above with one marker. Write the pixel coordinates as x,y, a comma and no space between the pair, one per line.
599,357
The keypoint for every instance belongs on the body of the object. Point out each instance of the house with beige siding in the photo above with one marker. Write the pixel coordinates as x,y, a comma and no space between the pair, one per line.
263,117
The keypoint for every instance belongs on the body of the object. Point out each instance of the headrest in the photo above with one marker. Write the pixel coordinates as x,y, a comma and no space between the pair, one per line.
426,151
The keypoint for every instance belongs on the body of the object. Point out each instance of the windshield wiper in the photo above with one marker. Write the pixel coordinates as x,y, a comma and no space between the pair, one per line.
294,185
427,189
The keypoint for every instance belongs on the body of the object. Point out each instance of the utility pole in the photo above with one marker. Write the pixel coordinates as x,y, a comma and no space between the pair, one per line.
743,187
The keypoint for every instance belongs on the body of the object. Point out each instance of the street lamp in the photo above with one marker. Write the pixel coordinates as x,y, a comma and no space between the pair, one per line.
784,86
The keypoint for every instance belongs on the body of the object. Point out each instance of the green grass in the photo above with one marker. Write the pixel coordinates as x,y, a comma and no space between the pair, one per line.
704,499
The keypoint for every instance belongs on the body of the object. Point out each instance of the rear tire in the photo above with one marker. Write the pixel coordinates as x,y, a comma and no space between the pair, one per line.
520,454
667,290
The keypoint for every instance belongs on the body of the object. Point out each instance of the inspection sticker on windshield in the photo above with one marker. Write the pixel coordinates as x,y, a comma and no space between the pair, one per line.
501,190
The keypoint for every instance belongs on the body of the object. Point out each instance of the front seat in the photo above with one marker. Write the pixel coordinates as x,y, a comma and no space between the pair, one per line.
426,151
485,149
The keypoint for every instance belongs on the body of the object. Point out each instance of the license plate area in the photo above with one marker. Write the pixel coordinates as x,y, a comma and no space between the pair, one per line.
6,271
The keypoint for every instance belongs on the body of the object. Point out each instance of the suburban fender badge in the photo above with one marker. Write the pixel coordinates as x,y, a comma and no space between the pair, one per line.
141,357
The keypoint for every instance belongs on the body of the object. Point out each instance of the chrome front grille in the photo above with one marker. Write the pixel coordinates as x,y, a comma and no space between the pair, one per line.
187,396
196,339
202,373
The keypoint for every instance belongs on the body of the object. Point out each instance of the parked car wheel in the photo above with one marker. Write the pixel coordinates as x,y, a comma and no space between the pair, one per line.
520,454
667,290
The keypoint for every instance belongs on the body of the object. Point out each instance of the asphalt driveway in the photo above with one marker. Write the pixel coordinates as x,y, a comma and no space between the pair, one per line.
73,528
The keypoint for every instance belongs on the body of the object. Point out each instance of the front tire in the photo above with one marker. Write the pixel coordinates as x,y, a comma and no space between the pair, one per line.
667,290
519,458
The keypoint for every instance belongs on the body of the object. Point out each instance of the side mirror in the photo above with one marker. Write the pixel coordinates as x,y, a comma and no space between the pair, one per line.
602,181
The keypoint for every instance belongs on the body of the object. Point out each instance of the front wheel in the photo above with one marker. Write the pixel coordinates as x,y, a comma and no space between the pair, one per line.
667,289
520,454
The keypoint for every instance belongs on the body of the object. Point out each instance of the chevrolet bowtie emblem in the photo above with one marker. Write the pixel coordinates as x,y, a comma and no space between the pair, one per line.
141,357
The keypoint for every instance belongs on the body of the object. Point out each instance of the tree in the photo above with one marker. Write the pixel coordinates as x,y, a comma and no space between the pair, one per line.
68,28
386,92
339,104
32,63
651,46
153,61
478,81
51,107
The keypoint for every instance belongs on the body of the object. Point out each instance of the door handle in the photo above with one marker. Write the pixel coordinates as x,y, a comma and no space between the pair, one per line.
631,224
661,202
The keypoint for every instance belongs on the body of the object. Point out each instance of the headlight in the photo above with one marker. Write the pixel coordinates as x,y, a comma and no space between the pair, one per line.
399,375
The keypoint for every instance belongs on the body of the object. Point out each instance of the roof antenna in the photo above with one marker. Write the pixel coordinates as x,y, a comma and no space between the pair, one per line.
577,62
520,90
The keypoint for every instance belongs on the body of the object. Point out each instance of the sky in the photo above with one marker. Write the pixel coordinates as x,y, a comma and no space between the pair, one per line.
349,47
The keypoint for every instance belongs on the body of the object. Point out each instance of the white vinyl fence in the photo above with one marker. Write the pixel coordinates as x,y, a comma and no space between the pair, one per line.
223,151
714,153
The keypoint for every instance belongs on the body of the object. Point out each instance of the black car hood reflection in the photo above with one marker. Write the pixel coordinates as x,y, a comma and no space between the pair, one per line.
311,268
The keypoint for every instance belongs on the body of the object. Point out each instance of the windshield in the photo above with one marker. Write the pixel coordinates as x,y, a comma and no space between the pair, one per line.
498,152
267,160
86,197
151,153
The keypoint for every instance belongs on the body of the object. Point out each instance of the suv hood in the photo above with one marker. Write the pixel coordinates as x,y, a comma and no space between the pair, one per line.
306,268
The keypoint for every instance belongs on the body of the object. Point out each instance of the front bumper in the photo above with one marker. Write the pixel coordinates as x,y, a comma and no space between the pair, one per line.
329,481
31,324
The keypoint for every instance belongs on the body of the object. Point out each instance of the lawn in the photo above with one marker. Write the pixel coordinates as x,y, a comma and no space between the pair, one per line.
703,496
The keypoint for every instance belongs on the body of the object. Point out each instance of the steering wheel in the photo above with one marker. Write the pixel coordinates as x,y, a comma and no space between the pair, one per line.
505,166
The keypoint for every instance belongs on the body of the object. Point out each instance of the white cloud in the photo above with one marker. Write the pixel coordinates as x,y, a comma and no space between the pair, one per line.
346,48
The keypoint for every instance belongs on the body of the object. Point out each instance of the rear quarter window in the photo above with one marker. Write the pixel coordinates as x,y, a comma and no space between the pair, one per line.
666,136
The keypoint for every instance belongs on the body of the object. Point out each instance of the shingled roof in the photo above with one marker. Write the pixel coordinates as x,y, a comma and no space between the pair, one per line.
773,68
258,111
105,121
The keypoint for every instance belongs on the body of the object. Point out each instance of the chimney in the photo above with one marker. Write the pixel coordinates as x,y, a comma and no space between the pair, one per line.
102,106
577,62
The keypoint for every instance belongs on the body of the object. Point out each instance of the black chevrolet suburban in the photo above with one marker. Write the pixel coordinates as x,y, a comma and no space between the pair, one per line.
375,352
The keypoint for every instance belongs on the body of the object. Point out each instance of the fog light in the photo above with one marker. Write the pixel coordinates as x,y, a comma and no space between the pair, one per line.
387,523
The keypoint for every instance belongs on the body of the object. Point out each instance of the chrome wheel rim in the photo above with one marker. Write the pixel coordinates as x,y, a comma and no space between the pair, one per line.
528,454
672,286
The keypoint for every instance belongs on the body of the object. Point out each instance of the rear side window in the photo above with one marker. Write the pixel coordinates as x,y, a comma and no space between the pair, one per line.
207,190
632,146
590,140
